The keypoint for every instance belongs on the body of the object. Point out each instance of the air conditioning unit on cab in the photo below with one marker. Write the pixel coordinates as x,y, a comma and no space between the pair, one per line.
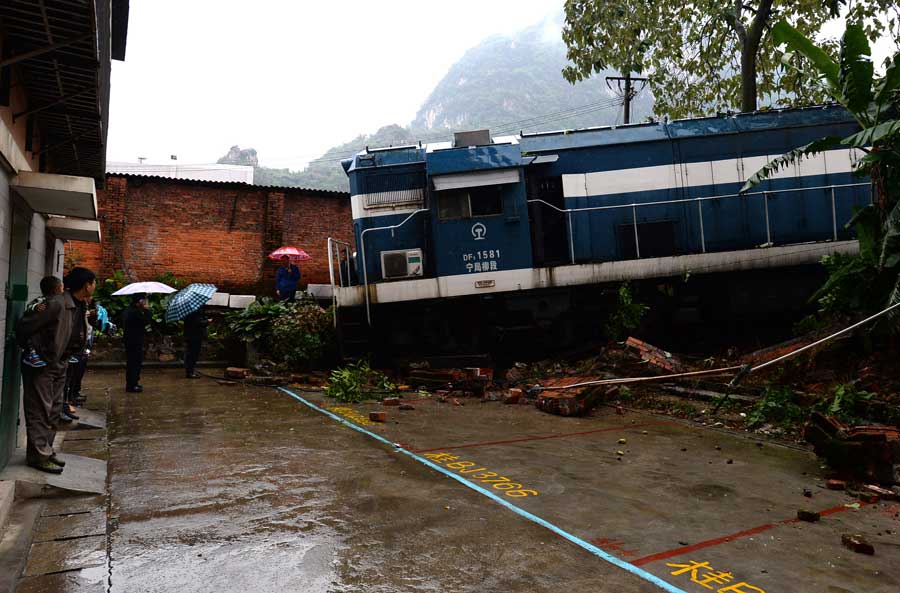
404,263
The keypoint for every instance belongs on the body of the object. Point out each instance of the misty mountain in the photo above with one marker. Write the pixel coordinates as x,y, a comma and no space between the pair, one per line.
506,84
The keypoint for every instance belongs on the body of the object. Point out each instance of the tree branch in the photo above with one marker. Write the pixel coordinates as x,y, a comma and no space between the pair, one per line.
736,22
758,25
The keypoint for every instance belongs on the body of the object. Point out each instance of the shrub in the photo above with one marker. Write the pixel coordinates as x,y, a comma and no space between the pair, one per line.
296,335
626,316
357,382
302,335
254,324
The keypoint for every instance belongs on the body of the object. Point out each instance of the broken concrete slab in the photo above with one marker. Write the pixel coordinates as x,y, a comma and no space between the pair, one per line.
706,394
79,503
70,554
88,419
87,580
86,434
70,526
82,474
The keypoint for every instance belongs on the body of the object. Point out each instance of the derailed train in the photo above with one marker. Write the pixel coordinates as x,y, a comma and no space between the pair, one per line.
474,244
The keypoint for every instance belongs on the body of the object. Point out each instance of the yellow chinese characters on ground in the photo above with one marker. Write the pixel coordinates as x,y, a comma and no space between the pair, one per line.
704,574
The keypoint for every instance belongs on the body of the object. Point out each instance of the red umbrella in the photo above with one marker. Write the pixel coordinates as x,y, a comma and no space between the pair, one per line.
295,253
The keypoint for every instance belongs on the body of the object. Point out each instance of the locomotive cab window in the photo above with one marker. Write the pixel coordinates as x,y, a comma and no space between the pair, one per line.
472,202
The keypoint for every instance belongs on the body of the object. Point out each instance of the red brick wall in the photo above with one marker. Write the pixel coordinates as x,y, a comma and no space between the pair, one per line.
211,232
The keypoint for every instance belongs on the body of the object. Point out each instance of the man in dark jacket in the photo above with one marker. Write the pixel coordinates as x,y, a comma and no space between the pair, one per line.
56,333
134,323
194,332
286,279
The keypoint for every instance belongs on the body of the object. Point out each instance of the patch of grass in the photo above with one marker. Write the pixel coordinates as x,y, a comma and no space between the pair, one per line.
777,406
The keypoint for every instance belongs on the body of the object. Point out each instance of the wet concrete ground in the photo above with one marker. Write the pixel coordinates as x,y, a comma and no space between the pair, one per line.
217,488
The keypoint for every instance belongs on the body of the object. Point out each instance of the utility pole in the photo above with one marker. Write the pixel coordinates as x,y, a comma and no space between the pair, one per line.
630,93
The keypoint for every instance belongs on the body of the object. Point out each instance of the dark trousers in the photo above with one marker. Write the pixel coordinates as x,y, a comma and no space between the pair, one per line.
287,295
192,352
74,376
134,360
43,399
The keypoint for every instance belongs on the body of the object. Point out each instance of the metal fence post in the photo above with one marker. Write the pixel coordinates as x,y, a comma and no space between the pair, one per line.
702,233
768,228
571,239
637,244
833,216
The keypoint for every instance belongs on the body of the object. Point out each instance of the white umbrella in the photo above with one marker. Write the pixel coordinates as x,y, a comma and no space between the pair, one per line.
144,287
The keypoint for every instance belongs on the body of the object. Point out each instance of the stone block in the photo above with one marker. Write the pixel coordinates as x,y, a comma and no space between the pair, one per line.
240,301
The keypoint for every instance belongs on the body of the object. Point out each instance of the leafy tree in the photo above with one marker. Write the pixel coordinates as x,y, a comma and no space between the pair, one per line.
708,55
867,280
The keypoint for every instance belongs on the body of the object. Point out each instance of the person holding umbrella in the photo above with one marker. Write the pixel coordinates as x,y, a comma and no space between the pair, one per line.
288,274
286,279
134,323
188,304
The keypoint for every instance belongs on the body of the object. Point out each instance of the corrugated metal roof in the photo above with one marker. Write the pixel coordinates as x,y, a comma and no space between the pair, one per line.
171,180
63,48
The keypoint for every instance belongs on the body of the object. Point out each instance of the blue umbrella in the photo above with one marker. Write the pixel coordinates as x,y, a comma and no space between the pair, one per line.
188,300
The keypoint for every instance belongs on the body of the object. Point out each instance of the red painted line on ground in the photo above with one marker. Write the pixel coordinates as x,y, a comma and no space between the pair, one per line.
725,539
551,436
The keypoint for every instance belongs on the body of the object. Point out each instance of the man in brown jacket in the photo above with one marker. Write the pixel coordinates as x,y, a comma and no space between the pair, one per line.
56,333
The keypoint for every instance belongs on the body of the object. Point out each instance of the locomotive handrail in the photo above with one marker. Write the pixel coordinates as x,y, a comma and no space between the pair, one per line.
362,249
699,200
331,243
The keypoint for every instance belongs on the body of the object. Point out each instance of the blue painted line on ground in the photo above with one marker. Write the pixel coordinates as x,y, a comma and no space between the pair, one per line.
638,572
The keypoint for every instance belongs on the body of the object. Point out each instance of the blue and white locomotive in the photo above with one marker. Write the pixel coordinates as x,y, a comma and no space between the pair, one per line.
462,244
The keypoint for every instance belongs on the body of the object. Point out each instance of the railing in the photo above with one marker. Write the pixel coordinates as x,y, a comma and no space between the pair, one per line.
699,201
334,248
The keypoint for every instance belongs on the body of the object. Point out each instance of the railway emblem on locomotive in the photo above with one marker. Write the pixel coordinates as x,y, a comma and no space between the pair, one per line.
479,231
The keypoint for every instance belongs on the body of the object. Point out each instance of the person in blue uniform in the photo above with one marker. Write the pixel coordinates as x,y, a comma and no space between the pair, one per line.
286,279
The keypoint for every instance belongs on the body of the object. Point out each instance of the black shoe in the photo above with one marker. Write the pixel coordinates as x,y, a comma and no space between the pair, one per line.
135,389
194,375
69,417
57,460
46,466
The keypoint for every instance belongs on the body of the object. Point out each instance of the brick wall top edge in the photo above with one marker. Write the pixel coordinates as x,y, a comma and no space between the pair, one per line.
309,191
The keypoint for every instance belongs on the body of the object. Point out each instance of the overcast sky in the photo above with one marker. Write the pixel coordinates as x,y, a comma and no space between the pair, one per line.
291,79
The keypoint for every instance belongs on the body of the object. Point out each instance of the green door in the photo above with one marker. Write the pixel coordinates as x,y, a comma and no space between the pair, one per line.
16,296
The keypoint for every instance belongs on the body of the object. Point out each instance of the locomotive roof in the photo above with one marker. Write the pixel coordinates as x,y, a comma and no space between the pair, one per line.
626,134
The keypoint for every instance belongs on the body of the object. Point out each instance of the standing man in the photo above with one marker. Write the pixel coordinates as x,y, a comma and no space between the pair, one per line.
134,323
286,279
56,333
194,332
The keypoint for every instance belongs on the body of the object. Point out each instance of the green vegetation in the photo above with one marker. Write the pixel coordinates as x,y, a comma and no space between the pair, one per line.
626,316
867,281
704,57
296,335
357,382
782,406
778,406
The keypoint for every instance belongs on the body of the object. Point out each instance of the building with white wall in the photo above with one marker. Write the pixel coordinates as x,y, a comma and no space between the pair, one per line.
54,114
